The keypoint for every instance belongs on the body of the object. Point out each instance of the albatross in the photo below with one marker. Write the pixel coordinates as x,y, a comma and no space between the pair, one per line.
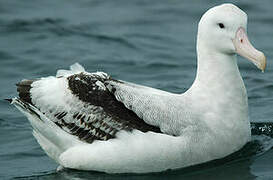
90,121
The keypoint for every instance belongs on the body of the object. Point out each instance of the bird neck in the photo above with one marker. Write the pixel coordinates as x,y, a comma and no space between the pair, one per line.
218,71
219,95
218,86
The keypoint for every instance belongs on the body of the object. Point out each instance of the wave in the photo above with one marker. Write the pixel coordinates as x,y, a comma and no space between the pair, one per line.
262,128
61,28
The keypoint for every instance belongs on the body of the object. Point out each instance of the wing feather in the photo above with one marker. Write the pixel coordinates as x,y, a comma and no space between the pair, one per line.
82,105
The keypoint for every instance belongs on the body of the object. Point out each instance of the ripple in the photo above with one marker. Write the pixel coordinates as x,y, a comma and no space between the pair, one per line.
262,128
60,28
162,65
5,56
85,30
21,25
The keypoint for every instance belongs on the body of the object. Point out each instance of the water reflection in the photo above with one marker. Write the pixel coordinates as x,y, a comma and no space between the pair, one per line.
235,170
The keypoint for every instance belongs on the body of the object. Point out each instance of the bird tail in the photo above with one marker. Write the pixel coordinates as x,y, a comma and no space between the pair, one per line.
23,88
52,139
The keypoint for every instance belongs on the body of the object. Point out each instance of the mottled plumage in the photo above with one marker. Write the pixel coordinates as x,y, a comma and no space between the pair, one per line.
103,118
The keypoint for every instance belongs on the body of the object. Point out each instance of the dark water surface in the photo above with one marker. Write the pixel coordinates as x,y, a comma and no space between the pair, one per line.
146,42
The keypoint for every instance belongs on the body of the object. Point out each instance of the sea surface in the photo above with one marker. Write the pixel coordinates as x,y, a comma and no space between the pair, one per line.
150,42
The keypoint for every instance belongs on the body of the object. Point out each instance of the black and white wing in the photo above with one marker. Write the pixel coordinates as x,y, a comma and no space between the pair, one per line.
91,106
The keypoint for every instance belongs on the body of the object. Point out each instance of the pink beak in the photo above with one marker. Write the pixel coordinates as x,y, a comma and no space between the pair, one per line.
244,48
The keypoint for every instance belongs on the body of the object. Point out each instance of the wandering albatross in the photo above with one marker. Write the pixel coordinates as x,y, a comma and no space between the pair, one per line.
90,121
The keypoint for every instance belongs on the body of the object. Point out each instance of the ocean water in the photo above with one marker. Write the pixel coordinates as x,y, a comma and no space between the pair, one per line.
147,42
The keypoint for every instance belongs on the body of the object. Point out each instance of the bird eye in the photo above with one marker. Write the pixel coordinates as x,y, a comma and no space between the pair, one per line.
221,25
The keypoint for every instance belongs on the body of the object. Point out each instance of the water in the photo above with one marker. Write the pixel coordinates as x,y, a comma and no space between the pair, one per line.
146,42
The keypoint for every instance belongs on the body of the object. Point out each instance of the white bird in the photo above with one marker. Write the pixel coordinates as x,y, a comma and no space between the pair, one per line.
89,121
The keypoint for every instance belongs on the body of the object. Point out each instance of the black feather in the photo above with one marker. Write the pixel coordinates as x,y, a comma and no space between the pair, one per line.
23,89
85,88
9,100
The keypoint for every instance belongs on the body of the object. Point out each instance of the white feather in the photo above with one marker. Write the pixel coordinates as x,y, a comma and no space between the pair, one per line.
74,69
210,120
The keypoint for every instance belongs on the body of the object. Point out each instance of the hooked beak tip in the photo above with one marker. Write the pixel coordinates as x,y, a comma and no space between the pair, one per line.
244,48
263,64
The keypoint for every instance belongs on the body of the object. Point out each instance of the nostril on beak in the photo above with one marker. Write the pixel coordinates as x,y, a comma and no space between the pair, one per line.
241,40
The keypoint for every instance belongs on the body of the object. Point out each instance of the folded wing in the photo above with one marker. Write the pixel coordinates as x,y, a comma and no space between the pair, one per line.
83,104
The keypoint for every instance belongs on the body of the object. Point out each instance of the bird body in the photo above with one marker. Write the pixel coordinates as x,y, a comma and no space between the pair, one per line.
90,121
